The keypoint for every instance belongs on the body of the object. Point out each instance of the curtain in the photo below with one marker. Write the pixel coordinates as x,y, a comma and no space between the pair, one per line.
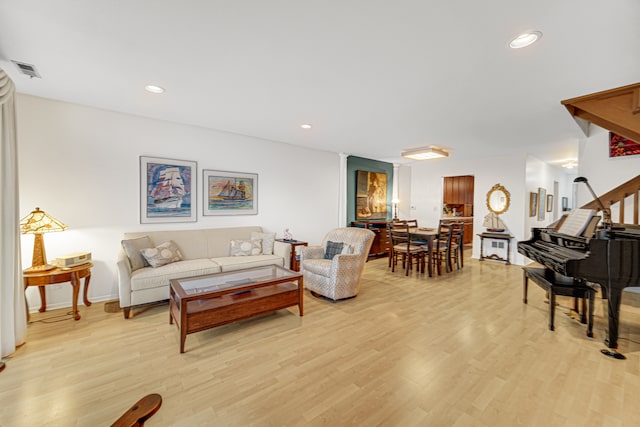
13,316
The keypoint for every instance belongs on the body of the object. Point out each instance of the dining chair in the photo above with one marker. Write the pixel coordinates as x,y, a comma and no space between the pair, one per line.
457,245
411,222
441,247
403,246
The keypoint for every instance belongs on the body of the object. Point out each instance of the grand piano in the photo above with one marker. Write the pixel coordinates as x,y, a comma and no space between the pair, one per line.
609,257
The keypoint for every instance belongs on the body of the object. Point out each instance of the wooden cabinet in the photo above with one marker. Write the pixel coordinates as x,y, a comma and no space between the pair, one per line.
381,244
458,190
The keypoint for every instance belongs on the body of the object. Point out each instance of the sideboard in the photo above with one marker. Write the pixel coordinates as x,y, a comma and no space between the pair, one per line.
381,244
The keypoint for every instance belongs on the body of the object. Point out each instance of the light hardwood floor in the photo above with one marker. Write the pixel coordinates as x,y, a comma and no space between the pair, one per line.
457,350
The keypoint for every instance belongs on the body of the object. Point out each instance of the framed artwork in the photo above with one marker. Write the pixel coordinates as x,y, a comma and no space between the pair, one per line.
229,193
371,195
565,204
533,204
542,196
167,187
620,146
550,203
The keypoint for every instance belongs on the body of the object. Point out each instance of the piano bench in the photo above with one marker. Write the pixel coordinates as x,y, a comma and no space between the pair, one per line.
556,284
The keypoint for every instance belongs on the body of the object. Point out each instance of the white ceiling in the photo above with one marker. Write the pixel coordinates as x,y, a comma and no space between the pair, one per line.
373,77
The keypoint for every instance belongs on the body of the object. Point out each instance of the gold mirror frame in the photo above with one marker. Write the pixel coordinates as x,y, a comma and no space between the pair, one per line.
494,193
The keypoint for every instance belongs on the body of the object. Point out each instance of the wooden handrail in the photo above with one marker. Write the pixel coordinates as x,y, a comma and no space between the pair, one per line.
619,195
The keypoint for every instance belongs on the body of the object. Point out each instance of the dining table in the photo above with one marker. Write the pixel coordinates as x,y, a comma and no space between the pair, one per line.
428,235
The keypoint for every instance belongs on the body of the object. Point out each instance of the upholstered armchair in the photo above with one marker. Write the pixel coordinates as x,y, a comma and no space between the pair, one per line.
335,268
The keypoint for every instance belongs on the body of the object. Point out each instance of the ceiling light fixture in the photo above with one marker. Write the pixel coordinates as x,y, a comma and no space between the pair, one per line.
306,126
570,164
425,153
525,39
154,89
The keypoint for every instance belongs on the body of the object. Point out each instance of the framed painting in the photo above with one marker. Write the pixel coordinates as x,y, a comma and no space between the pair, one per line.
230,193
371,195
533,204
565,204
167,189
542,196
549,202
620,146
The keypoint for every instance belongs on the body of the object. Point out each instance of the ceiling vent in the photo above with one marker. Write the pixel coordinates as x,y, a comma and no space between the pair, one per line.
27,69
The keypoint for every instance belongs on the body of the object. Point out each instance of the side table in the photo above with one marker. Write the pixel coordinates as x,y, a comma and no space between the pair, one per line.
495,236
294,263
60,275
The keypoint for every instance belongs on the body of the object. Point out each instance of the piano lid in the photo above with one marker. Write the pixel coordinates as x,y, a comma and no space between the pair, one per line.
617,110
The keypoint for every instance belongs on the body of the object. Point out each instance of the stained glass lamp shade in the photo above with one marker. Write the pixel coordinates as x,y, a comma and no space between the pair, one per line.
39,222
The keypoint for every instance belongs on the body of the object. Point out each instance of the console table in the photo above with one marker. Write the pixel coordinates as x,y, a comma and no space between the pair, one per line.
496,236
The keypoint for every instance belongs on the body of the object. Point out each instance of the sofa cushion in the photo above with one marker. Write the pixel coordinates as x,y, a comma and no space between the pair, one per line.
245,247
132,248
164,253
318,266
147,278
268,240
332,249
234,263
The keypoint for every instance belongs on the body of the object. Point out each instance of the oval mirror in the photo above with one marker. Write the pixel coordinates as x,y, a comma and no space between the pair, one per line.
498,199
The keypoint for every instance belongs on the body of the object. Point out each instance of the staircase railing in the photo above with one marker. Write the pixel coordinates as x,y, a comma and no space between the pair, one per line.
620,200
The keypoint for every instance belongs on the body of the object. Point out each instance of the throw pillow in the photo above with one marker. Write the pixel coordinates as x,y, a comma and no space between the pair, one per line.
347,250
246,247
132,248
164,253
267,241
332,249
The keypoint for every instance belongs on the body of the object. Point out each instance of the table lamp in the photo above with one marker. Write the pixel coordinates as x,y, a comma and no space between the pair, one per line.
38,223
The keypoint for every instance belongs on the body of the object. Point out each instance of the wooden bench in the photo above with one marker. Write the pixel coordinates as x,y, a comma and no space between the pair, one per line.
556,284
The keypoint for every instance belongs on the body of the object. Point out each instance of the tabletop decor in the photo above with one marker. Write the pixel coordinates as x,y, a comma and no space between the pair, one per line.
37,223
166,189
230,193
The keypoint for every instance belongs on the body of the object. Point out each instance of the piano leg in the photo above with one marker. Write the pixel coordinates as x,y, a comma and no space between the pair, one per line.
612,309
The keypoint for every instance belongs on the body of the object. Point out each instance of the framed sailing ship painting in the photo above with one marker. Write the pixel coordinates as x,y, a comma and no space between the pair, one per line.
230,193
167,190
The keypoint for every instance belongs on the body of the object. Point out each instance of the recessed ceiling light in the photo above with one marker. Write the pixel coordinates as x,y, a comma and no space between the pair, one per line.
525,39
154,89
306,126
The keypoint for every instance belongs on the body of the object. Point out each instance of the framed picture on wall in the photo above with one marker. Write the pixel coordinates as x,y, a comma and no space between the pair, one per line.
533,204
371,195
542,196
167,189
230,193
549,202
565,204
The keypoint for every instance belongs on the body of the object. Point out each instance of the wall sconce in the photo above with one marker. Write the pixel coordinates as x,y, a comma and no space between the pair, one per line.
39,222
395,209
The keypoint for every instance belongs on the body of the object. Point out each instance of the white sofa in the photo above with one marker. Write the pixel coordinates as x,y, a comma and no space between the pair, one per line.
204,251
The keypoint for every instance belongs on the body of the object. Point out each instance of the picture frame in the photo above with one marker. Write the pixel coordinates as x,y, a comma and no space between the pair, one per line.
620,146
542,197
565,204
167,190
549,202
229,193
371,195
533,204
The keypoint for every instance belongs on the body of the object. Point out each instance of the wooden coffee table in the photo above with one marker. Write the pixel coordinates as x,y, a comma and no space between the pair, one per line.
203,302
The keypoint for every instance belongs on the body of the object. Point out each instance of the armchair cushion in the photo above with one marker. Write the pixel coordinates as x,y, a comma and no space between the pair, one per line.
332,249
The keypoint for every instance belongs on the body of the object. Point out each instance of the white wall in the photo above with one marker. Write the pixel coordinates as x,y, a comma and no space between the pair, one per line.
81,165
426,193
603,172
